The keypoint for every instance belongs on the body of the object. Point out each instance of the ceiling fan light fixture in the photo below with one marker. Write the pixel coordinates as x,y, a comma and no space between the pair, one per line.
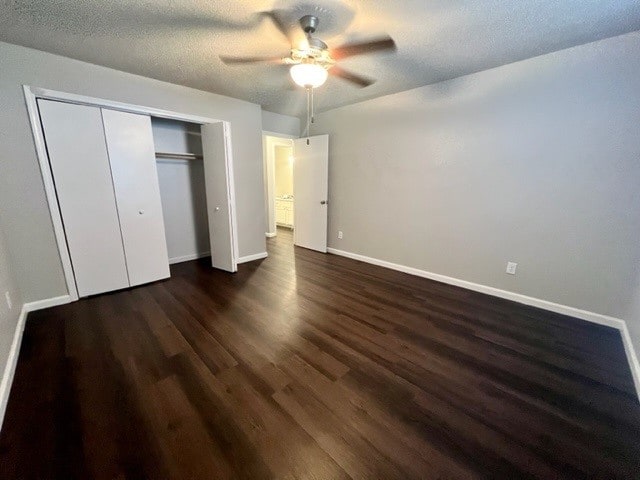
308,75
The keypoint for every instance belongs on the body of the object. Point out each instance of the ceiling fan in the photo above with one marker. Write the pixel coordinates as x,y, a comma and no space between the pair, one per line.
310,58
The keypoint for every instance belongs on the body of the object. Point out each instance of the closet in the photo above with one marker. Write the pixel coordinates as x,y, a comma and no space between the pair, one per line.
180,167
102,182
103,166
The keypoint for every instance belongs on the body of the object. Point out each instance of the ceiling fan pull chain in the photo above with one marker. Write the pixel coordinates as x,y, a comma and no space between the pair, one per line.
309,97
313,108
309,106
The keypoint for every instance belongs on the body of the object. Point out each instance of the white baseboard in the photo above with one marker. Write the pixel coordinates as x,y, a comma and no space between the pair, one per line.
270,234
14,351
586,315
251,258
631,356
12,362
47,302
186,258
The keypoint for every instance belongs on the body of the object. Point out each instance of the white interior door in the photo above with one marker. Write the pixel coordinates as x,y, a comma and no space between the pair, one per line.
135,181
80,166
218,177
310,188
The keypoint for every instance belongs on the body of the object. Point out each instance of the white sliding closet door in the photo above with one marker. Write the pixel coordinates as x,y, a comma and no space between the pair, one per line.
218,179
80,166
135,180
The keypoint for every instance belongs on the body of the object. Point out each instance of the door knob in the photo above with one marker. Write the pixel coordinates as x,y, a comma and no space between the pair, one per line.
324,202
141,212
217,209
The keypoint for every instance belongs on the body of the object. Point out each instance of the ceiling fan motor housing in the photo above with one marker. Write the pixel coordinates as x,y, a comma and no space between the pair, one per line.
316,43
309,24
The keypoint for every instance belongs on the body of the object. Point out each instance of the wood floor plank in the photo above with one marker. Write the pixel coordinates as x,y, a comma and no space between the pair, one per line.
312,366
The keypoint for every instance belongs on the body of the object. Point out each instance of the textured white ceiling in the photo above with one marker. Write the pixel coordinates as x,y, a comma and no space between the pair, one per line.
179,40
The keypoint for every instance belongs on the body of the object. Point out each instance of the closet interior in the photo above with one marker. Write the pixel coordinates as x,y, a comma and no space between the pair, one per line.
179,162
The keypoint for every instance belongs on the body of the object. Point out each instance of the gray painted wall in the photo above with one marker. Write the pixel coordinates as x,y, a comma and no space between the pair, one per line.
182,189
277,123
536,162
8,317
28,229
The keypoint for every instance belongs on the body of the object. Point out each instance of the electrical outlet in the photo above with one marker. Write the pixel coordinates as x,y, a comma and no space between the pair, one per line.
7,296
511,268
339,233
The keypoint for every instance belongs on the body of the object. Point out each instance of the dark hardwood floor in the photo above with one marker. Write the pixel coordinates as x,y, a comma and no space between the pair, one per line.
314,366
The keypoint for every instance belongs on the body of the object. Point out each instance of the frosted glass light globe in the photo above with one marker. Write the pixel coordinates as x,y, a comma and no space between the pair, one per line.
308,75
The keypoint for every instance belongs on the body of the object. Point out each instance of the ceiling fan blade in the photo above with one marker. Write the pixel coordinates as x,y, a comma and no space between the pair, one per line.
292,31
276,18
352,49
351,77
228,60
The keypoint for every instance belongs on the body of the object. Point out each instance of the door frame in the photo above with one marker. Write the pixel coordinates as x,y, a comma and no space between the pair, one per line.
270,140
32,94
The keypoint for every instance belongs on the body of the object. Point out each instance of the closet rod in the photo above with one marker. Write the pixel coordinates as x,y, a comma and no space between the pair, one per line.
180,156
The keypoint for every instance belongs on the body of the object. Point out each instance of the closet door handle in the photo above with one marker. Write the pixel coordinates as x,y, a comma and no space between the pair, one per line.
140,212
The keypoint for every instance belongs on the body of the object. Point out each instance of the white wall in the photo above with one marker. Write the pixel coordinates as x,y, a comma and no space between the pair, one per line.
182,189
283,124
28,229
536,162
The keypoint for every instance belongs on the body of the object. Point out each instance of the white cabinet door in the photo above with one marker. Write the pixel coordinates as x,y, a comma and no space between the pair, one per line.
281,213
80,166
135,180
284,213
310,187
218,179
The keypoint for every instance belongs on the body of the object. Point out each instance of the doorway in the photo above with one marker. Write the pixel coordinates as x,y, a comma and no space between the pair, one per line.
278,176
284,199
299,166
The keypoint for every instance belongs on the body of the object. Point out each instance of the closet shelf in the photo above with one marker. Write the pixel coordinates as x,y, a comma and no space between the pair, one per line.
179,156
